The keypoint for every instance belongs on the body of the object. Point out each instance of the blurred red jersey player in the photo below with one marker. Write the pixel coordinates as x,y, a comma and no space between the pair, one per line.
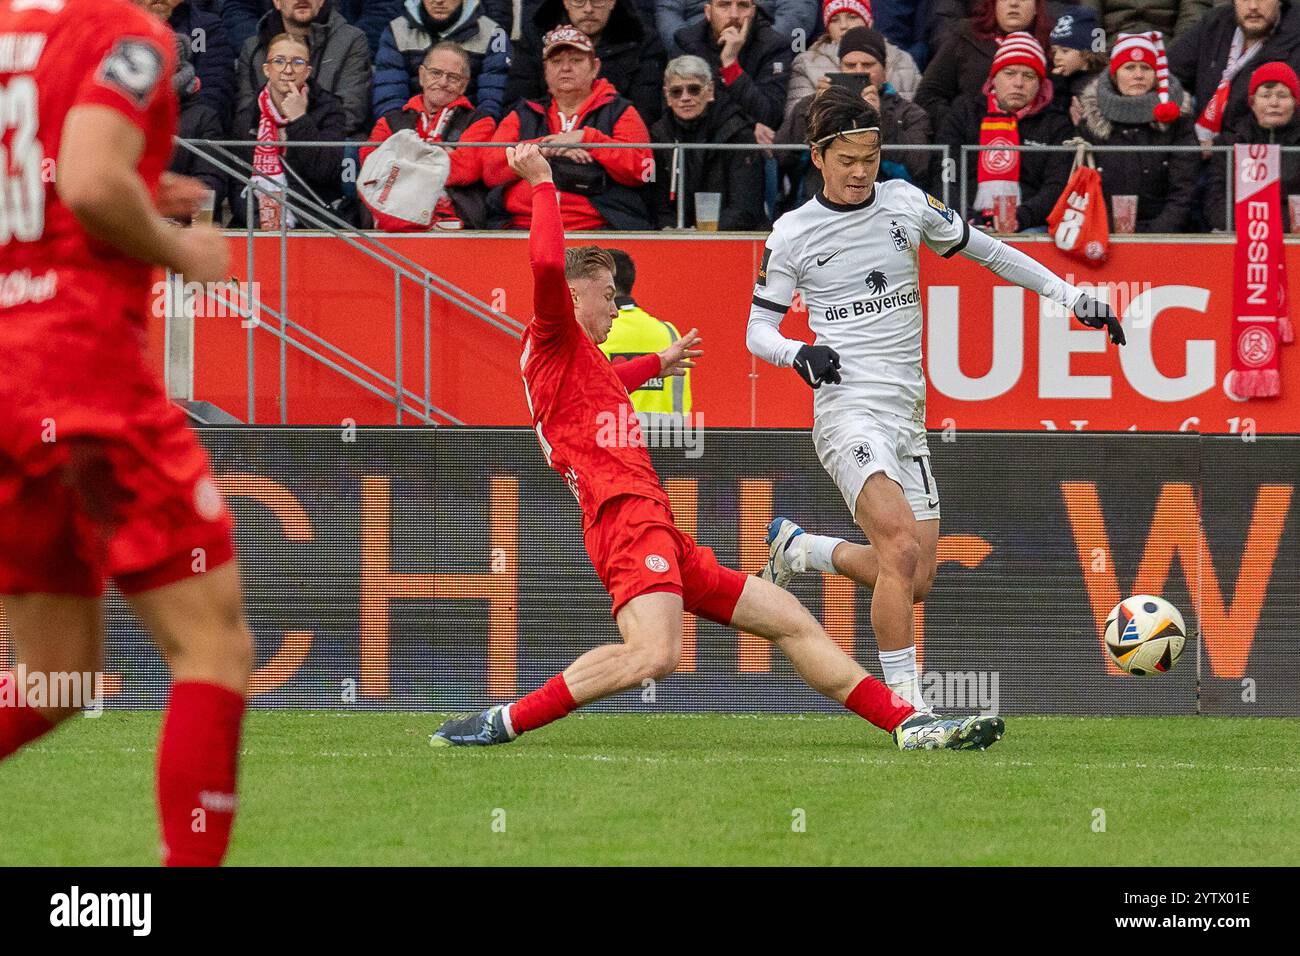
654,572
99,476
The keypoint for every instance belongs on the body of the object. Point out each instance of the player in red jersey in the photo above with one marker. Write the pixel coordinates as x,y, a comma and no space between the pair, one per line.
99,475
652,570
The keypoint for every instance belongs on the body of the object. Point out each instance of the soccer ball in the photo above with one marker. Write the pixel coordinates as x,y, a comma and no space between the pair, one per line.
1145,635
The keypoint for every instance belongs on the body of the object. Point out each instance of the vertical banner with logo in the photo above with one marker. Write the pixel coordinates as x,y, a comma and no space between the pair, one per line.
1259,279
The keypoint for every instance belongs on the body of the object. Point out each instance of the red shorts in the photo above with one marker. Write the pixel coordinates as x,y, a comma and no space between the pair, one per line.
636,549
137,504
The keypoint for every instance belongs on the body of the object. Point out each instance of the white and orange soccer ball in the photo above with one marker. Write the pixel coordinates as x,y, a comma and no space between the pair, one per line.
1145,635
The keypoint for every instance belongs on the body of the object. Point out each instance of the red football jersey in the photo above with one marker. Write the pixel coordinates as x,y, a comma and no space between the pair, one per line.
584,419
56,55
73,309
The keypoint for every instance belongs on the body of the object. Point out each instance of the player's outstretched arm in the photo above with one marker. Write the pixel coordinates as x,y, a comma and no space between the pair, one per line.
97,181
552,304
1014,266
674,360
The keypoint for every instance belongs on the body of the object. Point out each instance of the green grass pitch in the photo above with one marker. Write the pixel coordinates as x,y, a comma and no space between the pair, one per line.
346,789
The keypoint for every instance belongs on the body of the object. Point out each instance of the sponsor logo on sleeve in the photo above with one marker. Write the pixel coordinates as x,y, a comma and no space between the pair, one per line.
939,207
133,68
762,266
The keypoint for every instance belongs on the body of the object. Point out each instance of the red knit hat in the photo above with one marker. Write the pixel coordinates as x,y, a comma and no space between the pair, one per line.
860,7
1019,49
1277,72
1148,48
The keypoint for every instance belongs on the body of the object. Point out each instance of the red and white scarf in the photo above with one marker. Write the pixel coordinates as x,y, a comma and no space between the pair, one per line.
268,163
999,169
430,127
268,158
1259,301
1211,119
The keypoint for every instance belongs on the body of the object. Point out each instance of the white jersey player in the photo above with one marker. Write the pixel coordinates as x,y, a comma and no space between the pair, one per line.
852,253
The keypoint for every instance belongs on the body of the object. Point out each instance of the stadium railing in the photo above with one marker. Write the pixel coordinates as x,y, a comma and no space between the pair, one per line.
1103,149
251,309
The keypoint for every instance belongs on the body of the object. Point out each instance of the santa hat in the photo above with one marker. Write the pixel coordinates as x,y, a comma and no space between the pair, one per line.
1019,49
1148,48
861,8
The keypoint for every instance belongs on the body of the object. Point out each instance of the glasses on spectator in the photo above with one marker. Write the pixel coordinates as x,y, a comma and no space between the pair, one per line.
594,4
442,76
280,62
686,89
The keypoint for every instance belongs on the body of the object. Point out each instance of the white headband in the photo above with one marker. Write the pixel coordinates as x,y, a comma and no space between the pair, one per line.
848,132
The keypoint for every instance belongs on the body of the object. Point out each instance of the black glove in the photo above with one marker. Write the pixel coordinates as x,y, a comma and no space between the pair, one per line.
818,364
1096,314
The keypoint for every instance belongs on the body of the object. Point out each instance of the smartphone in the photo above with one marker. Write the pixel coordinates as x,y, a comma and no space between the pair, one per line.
854,82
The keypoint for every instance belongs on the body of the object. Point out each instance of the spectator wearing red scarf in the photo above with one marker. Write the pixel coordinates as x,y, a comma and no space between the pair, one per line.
963,62
441,113
289,108
1012,108
1215,58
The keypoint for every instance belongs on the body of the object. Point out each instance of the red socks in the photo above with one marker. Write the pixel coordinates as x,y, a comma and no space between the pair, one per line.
549,702
19,724
873,701
197,759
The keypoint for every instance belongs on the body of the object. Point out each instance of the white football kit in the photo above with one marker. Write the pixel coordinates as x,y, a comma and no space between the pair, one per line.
856,270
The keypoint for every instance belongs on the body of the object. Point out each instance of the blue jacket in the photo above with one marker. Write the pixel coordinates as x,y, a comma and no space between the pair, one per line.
371,16
212,55
903,22
408,36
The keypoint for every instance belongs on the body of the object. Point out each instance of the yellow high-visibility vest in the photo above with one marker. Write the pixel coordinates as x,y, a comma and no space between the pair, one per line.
635,333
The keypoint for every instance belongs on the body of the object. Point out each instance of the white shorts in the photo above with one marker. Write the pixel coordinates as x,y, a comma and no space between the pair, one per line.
854,446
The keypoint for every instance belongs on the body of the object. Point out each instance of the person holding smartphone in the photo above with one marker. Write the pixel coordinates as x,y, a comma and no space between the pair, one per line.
862,69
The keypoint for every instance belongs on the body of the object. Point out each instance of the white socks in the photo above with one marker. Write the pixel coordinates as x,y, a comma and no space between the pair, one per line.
818,549
901,676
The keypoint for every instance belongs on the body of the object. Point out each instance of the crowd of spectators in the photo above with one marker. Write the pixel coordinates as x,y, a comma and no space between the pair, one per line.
581,76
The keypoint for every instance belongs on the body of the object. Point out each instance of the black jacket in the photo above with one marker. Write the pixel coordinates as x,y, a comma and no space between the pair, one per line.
1043,175
211,53
630,53
198,120
320,166
369,16
1248,130
1198,57
1165,183
340,62
959,68
765,60
737,175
